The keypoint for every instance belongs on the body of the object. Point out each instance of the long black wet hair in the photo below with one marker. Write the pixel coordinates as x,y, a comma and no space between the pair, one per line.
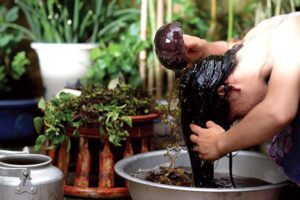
199,88
200,102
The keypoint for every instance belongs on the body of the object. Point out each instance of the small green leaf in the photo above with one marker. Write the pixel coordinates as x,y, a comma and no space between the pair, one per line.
42,104
18,65
68,144
38,124
37,147
39,142
12,14
59,139
76,132
41,139
6,39
128,120
114,139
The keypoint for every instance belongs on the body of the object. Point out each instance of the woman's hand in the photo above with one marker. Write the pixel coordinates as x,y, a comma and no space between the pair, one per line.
207,140
194,47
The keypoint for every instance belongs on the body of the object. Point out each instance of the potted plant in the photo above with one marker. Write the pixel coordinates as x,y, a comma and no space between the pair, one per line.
105,120
109,110
117,58
18,92
63,33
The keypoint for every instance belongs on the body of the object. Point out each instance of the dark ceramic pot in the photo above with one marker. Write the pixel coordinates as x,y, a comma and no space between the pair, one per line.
16,118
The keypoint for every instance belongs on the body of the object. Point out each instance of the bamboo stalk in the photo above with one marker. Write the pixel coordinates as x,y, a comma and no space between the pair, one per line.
258,12
170,73
143,35
292,4
269,8
213,19
158,68
278,7
153,29
230,20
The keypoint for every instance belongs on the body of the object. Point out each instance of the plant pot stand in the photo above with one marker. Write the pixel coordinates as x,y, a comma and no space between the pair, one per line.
89,166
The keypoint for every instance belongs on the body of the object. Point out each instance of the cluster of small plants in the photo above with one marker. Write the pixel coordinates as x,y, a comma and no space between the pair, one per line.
111,109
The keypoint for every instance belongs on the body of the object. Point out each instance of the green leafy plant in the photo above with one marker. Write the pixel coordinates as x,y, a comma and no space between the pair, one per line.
117,58
12,62
194,21
109,109
58,21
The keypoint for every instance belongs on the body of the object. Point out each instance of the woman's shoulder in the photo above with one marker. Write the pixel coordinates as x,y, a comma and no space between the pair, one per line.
273,23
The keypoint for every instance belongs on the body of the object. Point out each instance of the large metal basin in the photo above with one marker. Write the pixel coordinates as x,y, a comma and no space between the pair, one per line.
246,164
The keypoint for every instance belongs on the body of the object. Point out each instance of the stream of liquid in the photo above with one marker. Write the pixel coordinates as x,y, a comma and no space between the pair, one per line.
182,176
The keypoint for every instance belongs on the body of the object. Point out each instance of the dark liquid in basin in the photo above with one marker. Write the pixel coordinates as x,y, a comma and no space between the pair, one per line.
182,176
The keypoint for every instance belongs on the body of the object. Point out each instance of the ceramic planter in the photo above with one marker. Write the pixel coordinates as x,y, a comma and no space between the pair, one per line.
62,64
16,118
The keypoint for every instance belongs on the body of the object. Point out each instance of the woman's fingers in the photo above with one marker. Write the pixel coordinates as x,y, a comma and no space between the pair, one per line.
196,129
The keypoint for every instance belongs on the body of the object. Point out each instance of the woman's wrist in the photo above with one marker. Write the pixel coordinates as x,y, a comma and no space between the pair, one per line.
221,145
205,45
216,48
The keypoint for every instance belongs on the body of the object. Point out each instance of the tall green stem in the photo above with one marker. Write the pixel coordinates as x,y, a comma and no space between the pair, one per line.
278,7
169,10
292,4
230,20
170,73
153,29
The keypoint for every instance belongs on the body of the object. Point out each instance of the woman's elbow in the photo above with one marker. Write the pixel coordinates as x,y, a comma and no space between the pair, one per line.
282,117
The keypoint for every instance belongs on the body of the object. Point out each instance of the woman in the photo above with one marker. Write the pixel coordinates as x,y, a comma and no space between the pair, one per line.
264,96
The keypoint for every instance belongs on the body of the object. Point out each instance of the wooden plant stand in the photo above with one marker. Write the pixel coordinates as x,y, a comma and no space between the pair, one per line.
88,167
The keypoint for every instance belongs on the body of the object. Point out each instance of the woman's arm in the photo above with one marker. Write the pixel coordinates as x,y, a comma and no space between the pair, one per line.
273,113
280,105
196,47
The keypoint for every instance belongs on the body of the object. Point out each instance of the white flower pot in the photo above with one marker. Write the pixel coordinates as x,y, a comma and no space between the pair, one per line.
62,64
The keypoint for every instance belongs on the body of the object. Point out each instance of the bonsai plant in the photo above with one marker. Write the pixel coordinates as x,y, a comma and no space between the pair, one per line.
110,110
104,125
18,92
63,33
